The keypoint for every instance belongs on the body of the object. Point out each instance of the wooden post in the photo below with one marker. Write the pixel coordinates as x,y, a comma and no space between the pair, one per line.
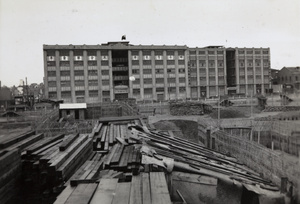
283,187
213,143
208,138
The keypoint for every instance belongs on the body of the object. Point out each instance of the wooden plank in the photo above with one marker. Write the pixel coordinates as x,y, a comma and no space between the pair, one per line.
26,142
111,134
79,156
122,193
82,194
64,195
68,140
117,155
146,189
8,158
106,143
98,128
15,140
95,172
159,188
110,155
124,159
44,143
194,178
43,151
61,157
105,191
135,191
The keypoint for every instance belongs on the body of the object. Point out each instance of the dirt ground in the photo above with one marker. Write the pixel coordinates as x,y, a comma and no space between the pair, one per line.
181,128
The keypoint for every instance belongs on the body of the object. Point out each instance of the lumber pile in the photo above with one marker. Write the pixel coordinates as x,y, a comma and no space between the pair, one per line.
143,188
51,162
10,164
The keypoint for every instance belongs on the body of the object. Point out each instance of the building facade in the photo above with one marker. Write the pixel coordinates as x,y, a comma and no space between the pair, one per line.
290,76
117,70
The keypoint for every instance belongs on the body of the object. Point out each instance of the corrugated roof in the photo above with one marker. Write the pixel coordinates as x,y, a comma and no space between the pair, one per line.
72,106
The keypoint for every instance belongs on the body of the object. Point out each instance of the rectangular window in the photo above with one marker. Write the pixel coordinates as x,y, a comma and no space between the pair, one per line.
181,80
146,62
202,63
52,83
79,83
135,71
78,63
159,80
93,93
159,62
201,52
159,71
105,72
211,63
104,63
136,81
181,70
135,62
211,52
181,62
51,63
64,63
105,93
170,62
92,63
105,82
160,89
51,73
136,91
147,71
93,82
171,80
92,72
78,72
249,51
148,81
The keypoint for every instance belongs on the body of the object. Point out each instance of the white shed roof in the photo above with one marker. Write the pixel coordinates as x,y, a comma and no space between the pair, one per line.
72,106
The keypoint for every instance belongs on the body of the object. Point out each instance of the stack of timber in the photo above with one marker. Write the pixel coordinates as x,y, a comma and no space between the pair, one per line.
144,188
49,163
10,164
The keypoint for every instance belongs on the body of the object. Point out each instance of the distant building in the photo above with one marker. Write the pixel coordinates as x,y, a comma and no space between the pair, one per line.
274,76
289,77
119,70
6,98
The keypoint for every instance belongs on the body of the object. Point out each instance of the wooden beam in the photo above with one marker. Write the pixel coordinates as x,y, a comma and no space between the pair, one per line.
105,191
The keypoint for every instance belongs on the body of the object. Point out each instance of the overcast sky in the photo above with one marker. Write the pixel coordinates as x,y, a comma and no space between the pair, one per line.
25,25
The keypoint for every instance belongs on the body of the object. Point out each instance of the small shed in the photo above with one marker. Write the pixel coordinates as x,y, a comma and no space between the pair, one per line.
77,110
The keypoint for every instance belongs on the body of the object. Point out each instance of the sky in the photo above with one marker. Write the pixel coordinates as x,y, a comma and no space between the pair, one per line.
25,25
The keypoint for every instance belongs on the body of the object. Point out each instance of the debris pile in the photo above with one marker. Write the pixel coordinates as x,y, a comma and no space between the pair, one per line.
281,108
189,108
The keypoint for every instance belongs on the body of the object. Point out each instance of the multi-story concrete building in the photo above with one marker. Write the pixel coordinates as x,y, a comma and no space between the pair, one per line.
116,70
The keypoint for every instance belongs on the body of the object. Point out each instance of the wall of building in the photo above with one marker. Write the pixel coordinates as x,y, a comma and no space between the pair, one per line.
89,73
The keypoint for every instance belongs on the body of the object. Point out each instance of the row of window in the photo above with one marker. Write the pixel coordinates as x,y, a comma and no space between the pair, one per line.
289,78
257,52
205,52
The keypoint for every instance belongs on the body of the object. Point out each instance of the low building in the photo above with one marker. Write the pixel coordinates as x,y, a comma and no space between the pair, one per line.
289,77
74,110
